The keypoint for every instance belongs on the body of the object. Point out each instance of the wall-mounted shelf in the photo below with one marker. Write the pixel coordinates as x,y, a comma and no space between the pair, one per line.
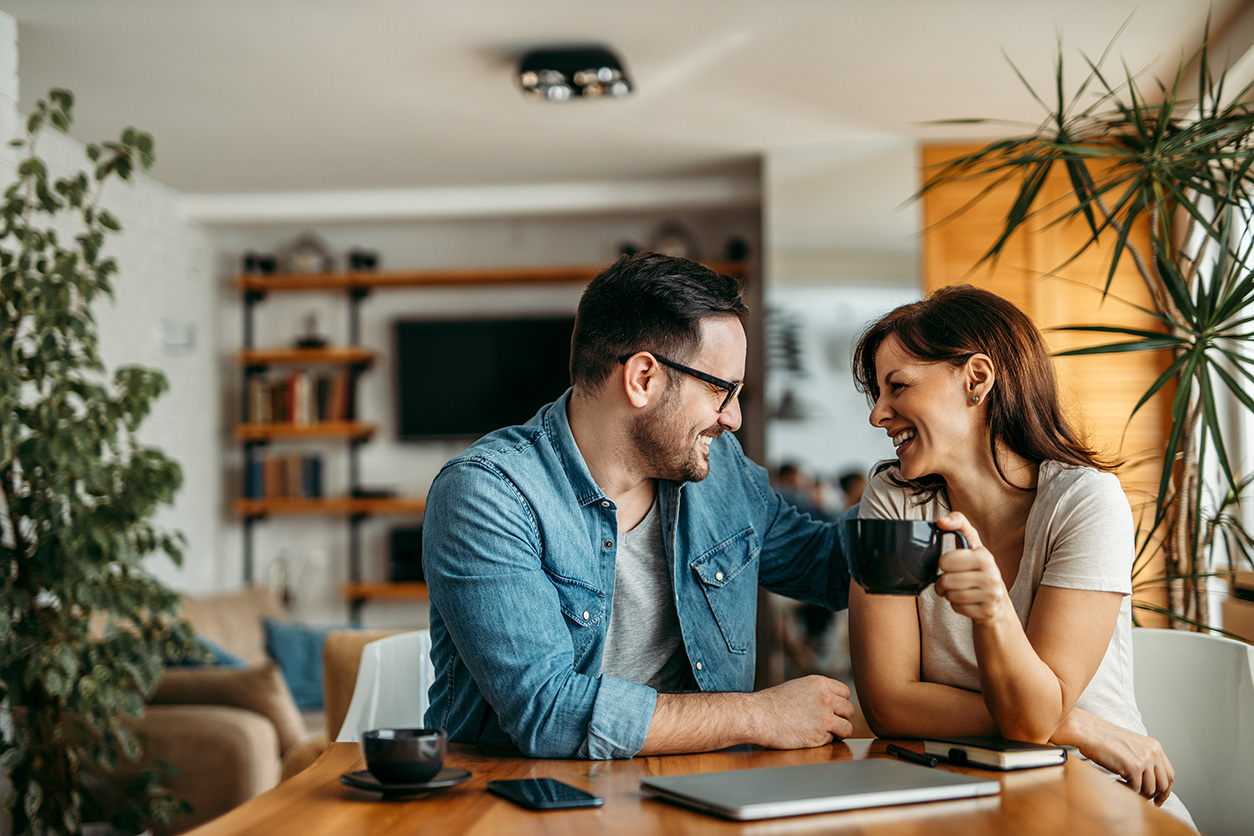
279,282
339,356
353,430
332,505
384,591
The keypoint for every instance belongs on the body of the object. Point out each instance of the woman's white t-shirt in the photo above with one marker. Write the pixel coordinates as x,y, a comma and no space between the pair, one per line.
1079,535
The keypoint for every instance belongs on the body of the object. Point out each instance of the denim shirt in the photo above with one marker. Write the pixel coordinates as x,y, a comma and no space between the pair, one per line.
518,554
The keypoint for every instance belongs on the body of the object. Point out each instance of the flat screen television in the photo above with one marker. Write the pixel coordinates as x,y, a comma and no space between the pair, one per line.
467,377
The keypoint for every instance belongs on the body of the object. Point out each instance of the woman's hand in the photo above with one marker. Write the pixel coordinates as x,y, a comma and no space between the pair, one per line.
1138,760
970,579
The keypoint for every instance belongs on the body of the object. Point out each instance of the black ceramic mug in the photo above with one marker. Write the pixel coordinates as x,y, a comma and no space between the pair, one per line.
896,557
404,756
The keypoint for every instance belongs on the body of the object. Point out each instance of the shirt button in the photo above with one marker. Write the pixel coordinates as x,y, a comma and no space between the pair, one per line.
698,666
605,503
609,544
718,576
585,615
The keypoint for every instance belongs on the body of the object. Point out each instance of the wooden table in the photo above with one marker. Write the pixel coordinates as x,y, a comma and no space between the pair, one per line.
1070,799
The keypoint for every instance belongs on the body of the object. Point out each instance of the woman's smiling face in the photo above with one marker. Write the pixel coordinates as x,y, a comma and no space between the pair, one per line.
927,411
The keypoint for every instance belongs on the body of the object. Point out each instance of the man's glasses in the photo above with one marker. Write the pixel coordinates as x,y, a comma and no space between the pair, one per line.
732,389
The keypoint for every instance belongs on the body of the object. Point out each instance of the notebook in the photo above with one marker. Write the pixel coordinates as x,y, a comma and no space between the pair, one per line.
995,752
744,794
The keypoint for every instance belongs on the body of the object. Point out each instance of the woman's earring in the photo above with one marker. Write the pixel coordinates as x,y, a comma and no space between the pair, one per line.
975,399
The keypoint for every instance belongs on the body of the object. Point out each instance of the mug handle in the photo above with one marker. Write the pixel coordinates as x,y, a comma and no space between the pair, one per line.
959,536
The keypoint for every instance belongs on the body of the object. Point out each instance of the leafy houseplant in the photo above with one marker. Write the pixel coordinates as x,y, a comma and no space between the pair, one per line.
85,628
1180,166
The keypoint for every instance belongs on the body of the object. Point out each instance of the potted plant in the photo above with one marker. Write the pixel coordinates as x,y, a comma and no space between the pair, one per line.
85,628
1180,165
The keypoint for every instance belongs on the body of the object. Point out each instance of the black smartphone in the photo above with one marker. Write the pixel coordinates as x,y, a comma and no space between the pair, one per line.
544,794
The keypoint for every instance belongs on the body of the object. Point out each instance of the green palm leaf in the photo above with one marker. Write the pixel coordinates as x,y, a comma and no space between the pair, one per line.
1146,157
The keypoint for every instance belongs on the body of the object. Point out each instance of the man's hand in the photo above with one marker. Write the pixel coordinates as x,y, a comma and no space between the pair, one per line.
802,713
799,714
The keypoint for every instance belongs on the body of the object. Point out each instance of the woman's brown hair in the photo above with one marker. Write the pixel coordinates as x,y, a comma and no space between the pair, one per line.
950,326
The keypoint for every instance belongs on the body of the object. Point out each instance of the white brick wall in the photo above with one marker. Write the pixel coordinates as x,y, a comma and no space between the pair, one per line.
8,88
164,277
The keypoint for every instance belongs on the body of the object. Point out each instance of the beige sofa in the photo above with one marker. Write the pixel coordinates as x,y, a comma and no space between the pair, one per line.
234,733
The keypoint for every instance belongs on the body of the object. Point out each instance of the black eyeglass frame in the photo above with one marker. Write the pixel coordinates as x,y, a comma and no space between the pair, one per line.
732,389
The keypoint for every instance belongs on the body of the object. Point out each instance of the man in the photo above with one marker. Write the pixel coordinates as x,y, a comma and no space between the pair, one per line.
593,573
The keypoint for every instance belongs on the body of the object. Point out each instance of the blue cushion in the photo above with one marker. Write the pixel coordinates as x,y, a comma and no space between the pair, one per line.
297,649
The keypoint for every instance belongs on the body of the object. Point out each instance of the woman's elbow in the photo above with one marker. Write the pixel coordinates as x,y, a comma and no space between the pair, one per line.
884,720
1028,728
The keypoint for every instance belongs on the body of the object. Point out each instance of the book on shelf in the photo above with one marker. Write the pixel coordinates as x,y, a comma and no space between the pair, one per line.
311,476
322,398
995,752
283,476
254,478
299,397
339,397
259,401
280,402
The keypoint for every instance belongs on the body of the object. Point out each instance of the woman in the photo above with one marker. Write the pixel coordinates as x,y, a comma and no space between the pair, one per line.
1027,634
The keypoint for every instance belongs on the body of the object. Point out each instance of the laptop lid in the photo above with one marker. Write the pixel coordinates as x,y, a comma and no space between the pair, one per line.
744,794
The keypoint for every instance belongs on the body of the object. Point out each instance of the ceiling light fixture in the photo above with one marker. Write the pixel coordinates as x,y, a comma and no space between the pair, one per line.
559,74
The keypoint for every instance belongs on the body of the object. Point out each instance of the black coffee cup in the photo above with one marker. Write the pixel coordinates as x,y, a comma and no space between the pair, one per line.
896,557
404,756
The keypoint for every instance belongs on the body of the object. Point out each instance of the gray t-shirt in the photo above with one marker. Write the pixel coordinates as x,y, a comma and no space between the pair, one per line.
644,643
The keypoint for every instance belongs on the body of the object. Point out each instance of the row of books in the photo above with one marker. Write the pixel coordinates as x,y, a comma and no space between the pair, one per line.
300,397
283,476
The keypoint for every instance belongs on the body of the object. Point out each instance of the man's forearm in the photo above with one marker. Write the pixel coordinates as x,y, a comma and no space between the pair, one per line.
699,723
798,714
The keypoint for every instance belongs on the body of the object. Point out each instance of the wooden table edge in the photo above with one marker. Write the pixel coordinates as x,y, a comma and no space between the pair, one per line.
284,802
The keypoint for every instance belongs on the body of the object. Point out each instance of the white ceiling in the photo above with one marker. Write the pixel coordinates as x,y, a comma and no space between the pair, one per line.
263,96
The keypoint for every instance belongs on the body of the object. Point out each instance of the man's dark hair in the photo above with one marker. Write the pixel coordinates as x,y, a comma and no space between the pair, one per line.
647,302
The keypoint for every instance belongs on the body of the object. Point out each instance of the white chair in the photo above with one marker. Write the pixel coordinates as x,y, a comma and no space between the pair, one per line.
1196,694
392,683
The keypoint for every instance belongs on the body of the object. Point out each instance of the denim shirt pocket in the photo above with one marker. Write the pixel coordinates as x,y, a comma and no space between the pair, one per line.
584,608
729,578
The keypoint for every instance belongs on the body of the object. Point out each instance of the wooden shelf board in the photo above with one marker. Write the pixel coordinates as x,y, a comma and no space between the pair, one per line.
395,505
347,355
375,591
320,429
279,282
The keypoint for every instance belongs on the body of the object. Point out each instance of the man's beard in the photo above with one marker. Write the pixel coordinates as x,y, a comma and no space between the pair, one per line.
666,447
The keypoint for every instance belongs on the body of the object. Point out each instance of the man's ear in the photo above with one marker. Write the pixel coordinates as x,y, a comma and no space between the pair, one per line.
643,379
981,375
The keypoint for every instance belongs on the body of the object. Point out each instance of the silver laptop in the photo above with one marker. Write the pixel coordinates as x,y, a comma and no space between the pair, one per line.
745,794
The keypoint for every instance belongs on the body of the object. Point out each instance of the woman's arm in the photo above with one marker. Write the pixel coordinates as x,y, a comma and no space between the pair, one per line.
884,643
884,646
1139,760
1030,680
